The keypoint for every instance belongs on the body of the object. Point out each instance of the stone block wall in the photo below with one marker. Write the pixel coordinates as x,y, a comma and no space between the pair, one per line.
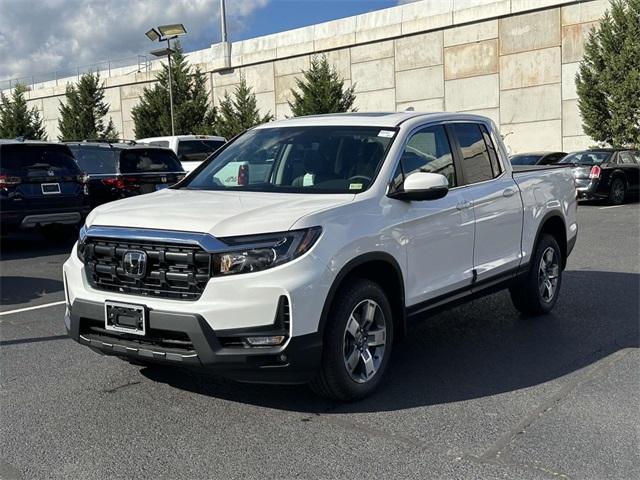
514,61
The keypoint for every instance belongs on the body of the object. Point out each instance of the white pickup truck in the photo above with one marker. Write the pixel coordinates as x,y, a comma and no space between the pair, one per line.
346,229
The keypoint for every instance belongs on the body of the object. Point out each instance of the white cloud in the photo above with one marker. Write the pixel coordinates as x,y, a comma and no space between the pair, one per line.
41,36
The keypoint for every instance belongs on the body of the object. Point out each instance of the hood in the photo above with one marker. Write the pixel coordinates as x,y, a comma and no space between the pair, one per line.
221,214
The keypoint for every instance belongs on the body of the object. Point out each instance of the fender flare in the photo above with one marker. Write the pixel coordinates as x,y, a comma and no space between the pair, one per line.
548,216
348,268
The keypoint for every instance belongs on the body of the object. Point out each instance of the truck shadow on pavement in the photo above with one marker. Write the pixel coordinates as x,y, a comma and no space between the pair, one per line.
477,350
21,290
29,245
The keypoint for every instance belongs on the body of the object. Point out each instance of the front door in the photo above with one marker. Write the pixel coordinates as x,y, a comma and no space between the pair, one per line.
438,234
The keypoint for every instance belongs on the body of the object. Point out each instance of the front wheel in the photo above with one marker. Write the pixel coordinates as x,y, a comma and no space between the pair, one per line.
357,342
538,292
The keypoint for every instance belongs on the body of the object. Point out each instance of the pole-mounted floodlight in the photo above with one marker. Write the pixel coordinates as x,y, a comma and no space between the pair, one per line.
167,33
173,30
153,35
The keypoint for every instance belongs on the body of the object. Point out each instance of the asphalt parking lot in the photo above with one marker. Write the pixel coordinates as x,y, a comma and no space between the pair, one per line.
476,392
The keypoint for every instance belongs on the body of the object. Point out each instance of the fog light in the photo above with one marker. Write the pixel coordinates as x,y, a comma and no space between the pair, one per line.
265,341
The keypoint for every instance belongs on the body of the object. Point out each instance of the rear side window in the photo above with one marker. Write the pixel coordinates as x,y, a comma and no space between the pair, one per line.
148,160
493,155
429,151
37,160
476,163
197,150
160,143
625,158
97,161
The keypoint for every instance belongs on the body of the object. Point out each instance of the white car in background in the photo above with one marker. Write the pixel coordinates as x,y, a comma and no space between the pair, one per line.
191,150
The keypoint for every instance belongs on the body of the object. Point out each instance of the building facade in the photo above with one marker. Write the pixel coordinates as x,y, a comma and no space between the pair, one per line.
514,61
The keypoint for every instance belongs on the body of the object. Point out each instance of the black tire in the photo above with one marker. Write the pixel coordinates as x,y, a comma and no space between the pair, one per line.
617,191
334,380
528,295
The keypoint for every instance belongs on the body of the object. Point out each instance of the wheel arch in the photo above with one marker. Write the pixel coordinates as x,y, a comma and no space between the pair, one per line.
553,223
381,268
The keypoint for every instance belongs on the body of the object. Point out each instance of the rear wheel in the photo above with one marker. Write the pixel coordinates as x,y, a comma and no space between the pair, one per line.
357,342
617,191
538,292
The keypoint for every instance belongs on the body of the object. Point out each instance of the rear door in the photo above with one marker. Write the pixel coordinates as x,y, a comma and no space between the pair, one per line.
495,199
146,170
49,178
628,164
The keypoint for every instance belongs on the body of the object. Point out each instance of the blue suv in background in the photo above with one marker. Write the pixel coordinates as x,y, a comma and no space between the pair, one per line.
41,187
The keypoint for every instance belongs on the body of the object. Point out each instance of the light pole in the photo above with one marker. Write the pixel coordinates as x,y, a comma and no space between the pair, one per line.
167,33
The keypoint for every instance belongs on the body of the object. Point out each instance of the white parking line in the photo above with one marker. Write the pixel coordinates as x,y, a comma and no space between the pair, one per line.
26,309
612,206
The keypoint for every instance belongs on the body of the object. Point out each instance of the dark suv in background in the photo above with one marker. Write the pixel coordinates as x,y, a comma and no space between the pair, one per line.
120,170
42,187
605,173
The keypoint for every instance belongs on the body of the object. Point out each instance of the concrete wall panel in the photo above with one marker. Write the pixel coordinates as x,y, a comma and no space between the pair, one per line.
571,119
378,25
419,84
530,31
569,72
284,85
573,40
260,77
475,32
531,104
291,65
430,105
584,12
571,144
523,137
527,69
50,107
337,33
471,59
341,60
365,53
419,51
266,103
379,101
472,93
465,11
375,75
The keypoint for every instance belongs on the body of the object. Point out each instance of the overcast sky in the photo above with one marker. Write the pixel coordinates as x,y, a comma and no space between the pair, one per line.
40,36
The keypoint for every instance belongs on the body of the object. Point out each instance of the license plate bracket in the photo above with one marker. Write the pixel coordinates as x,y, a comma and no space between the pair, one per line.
50,188
125,318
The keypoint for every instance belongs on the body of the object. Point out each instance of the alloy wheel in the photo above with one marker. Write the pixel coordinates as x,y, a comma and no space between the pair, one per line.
548,273
364,342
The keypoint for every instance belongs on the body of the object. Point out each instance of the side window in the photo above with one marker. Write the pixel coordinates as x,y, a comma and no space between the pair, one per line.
476,163
636,155
493,154
625,158
429,151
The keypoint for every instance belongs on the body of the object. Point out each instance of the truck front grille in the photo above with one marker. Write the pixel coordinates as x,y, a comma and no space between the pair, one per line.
178,272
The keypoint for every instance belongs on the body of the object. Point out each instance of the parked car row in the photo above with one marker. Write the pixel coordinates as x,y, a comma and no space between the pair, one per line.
53,186
599,174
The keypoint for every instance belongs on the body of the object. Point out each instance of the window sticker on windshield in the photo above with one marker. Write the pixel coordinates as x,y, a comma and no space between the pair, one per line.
355,186
386,133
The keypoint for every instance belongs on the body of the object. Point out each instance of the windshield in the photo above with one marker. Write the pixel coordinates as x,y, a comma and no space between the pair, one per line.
96,160
298,160
525,159
197,150
587,158
151,160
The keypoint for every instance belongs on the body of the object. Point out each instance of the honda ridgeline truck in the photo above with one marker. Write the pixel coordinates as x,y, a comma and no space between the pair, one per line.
343,230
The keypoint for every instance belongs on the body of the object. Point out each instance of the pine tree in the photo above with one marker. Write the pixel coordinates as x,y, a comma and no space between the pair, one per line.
16,120
321,90
240,112
81,118
608,80
191,106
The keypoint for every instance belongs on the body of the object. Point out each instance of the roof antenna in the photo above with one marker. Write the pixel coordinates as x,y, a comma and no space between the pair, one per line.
410,109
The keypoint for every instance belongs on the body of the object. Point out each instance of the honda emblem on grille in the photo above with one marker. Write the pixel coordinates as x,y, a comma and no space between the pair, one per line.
134,263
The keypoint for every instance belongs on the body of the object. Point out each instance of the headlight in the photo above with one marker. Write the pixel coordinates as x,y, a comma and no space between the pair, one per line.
81,245
260,252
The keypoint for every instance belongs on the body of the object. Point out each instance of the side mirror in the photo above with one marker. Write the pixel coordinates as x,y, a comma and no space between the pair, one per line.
422,186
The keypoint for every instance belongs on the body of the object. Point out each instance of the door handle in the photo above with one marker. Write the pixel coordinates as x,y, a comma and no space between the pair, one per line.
464,204
508,192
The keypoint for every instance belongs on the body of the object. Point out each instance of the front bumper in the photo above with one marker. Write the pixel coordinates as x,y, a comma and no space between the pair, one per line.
200,346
